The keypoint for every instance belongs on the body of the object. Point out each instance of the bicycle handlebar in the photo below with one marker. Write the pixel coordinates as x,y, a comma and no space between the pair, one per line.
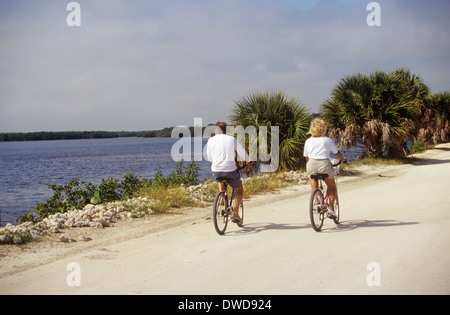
334,165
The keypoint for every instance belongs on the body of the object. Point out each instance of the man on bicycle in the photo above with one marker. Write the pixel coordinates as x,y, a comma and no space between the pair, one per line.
220,151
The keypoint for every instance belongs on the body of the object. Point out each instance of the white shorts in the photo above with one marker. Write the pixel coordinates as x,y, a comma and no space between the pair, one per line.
320,166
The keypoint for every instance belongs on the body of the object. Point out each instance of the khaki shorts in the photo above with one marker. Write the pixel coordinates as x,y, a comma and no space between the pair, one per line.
320,166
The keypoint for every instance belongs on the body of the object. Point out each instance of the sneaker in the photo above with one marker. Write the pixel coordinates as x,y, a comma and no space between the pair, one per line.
332,212
237,219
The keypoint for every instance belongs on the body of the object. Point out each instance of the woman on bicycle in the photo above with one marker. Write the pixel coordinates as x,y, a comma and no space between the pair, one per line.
317,153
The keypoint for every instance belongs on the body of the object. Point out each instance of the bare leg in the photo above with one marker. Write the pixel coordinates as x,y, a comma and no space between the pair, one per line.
313,184
238,195
332,190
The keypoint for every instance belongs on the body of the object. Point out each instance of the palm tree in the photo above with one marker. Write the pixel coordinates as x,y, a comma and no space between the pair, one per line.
377,109
276,109
433,123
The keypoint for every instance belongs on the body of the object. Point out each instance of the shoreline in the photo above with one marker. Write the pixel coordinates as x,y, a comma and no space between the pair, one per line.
15,259
106,215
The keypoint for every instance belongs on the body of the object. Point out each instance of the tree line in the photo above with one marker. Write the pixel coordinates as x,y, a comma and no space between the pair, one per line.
72,135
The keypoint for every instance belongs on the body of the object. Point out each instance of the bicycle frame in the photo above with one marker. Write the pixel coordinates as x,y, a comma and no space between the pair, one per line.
224,188
324,203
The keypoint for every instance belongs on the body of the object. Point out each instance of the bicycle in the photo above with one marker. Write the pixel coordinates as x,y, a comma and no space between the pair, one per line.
222,209
318,204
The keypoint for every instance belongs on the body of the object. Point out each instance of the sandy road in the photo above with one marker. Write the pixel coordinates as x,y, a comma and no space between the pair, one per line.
393,239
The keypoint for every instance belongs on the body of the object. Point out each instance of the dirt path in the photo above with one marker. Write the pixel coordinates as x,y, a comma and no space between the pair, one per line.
393,239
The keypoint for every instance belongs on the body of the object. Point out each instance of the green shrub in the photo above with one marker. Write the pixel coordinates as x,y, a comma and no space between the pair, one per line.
77,194
418,146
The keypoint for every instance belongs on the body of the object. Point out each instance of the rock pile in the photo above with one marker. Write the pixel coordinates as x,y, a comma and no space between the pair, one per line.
296,177
199,193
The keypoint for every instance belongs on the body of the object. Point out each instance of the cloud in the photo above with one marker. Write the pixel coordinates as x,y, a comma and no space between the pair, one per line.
135,65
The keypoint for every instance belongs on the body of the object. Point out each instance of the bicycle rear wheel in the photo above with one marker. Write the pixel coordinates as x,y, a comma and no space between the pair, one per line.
316,214
220,214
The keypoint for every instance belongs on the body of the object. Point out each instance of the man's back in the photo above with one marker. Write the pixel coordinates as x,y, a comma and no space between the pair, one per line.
221,150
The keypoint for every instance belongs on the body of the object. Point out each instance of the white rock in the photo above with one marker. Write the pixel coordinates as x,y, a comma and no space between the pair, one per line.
54,229
66,238
84,238
89,207
17,240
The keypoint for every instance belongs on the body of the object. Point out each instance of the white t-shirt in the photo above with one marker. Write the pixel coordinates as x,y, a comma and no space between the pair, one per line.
220,151
319,148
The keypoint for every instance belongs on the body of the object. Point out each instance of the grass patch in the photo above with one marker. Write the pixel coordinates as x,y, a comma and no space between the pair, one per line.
252,185
164,198
266,183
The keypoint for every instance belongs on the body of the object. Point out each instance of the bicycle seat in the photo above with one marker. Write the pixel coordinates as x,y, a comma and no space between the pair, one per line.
319,176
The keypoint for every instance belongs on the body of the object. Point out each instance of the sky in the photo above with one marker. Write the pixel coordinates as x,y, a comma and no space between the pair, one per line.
143,65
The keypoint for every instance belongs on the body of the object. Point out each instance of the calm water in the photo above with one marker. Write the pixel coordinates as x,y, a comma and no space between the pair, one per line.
27,167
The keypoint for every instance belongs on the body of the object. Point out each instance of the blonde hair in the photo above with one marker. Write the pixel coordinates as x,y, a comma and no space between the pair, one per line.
318,128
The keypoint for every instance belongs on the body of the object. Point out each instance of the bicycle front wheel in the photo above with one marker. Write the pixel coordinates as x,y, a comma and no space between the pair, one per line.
220,214
316,214
241,211
337,210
